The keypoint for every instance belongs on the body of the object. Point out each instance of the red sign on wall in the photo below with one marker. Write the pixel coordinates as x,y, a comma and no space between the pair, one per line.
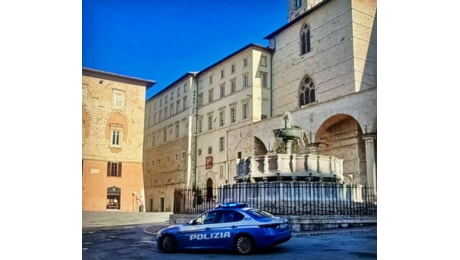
208,162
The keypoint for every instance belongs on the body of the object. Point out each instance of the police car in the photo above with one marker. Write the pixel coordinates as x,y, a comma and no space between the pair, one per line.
230,226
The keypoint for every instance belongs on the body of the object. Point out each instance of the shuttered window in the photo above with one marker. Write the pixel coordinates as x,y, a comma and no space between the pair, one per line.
114,169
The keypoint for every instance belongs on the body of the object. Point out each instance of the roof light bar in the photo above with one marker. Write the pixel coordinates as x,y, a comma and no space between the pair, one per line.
232,205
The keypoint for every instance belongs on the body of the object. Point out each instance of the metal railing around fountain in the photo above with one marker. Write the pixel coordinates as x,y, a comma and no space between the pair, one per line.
282,198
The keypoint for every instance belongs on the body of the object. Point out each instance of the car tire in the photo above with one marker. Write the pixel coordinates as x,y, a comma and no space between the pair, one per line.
243,244
168,244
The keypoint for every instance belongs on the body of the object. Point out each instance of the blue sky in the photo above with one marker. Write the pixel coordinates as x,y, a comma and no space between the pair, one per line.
162,40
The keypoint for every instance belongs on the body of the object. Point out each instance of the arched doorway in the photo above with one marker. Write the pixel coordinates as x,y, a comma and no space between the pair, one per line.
209,193
341,136
113,198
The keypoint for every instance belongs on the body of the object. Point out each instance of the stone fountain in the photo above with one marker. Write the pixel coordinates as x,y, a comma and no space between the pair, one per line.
287,183
289,133
288,166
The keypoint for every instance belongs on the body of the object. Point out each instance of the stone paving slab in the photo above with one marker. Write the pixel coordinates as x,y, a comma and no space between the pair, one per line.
99,219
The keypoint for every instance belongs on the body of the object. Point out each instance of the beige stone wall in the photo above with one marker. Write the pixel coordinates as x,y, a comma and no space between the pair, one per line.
330,63
365,43
167,164
167,160
98,115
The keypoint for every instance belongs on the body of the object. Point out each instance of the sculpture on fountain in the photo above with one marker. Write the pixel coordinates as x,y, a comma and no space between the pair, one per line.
289,133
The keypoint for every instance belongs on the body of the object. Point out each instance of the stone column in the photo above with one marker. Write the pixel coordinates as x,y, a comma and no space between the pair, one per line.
238,167
266,164
250,162
313,148
292,163
288,146
370,160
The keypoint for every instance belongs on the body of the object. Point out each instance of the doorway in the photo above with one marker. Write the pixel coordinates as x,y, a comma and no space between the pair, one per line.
113,198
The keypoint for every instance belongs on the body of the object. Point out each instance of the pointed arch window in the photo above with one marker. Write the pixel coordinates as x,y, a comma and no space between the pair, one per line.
306,91
305,45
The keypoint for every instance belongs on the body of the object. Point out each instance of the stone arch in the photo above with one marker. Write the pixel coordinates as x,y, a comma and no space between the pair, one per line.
117,119
259,147
244,146
342,136
249,146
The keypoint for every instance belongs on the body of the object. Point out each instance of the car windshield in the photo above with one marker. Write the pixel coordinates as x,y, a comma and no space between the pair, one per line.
258,213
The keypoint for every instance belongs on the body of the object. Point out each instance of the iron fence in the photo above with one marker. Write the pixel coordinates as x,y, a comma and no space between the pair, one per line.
282,198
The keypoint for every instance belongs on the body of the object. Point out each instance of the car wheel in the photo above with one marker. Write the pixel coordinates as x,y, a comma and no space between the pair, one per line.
243,244
168,244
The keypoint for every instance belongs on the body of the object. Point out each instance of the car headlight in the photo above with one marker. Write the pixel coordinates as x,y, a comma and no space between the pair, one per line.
284,225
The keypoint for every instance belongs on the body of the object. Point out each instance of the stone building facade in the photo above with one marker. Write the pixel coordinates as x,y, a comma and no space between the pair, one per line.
113,108
167,142
321,67
187,123
339,67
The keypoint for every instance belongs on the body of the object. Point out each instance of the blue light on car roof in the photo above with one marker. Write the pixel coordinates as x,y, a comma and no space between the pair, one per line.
232,205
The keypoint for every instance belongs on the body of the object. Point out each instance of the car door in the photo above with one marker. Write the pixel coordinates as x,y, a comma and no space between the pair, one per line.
199,232
218,232
226,227
184,235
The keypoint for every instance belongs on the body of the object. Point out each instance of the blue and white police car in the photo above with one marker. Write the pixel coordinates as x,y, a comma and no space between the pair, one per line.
230,226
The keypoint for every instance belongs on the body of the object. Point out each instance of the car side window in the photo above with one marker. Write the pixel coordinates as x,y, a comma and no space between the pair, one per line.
238,216
229,216
210,217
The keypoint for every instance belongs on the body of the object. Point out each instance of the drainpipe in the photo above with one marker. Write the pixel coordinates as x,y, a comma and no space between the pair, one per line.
195,139
271,81
195,114
227,168
196,152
